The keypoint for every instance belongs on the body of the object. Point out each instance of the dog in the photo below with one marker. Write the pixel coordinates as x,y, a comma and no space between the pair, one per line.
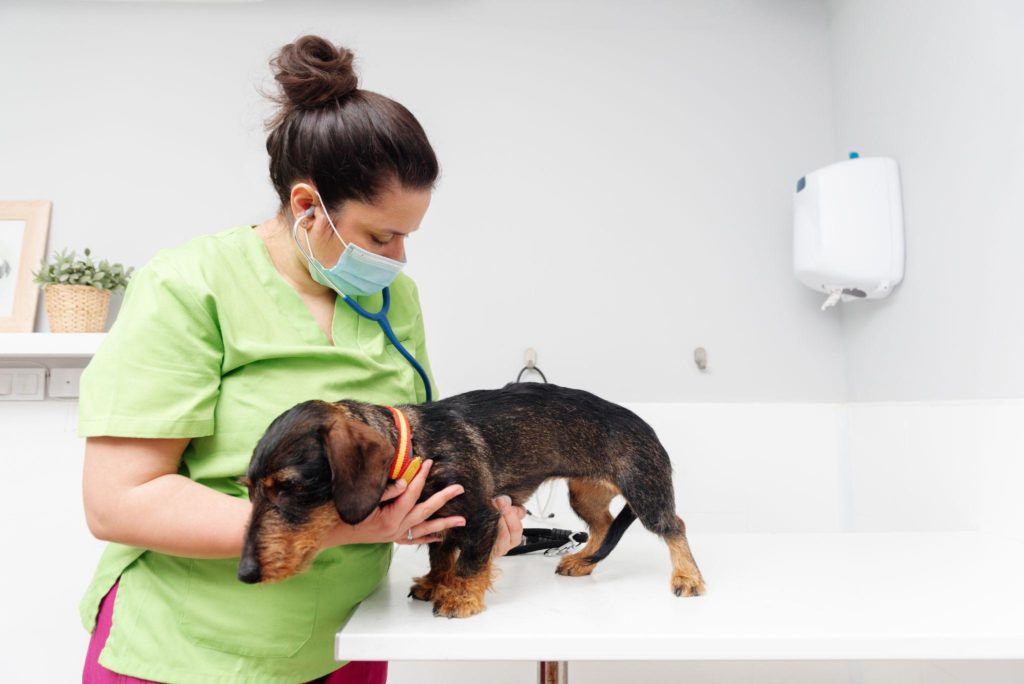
319,460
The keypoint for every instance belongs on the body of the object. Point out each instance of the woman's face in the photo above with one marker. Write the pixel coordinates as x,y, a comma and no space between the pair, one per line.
381,227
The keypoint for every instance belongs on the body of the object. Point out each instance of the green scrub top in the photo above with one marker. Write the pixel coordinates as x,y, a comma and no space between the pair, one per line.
212,343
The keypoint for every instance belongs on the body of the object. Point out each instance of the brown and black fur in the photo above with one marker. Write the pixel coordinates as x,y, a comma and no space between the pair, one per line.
319,460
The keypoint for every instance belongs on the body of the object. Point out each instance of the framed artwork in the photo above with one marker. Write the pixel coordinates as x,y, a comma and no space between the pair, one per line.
23,229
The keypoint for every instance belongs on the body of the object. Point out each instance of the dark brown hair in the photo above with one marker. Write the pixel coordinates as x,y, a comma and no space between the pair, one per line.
350,143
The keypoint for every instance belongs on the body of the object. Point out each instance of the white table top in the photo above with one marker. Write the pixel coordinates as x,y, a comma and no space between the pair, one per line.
770,596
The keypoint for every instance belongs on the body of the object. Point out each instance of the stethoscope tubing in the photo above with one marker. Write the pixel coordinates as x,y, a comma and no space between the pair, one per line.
381,318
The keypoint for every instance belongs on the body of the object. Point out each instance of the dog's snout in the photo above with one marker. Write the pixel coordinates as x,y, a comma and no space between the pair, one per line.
249,570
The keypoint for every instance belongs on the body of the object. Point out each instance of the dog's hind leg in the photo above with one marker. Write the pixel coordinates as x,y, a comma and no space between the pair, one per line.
657,514
646,483
686,577
590,499
443,555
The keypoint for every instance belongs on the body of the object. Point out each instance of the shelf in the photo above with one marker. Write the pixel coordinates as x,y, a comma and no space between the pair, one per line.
39,346
827,596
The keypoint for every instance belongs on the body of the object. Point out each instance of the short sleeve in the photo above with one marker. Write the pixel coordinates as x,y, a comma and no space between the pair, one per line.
157,373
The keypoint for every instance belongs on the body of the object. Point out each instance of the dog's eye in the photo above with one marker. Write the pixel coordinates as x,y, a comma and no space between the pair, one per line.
287,485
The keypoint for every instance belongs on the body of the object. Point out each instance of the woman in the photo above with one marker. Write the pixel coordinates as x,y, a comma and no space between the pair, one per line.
214,340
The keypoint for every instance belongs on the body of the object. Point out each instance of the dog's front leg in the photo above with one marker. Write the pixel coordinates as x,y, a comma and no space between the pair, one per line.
461,593
442,564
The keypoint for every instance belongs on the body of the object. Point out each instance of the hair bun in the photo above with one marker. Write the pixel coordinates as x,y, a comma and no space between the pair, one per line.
313,72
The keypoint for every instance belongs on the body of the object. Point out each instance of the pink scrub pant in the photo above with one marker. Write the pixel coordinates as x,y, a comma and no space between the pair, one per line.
355,672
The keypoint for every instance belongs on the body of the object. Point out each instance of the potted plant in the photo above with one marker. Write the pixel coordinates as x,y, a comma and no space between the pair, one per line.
77,291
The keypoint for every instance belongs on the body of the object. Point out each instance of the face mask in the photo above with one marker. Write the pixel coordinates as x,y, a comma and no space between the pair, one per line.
358,271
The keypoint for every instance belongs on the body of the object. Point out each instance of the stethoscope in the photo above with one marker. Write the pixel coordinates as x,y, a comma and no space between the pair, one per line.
381,317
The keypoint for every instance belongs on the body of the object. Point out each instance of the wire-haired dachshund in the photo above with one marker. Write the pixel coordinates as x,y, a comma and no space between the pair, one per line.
319,460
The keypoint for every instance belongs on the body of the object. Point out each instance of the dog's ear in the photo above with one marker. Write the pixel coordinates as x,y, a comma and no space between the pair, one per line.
360,458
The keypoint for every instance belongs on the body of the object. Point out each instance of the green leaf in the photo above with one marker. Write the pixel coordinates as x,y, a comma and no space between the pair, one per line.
66,268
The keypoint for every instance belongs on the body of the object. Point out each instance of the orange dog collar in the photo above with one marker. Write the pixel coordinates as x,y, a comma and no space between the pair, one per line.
405,465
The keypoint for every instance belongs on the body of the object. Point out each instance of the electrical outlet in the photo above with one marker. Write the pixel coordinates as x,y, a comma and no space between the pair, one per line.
22,384
64,382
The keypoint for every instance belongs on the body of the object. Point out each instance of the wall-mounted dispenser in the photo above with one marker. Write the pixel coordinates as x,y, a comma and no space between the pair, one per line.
848,229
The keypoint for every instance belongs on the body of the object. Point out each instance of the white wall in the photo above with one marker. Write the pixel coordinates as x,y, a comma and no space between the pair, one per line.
615,183
930,466
936,85
49,555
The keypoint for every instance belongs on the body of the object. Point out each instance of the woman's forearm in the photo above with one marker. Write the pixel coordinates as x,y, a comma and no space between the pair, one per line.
174,515
133,495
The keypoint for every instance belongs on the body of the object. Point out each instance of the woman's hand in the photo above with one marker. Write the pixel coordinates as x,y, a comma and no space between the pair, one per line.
402,520
510,527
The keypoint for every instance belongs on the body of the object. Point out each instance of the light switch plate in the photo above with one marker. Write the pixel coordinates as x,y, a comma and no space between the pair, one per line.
25,384
64,382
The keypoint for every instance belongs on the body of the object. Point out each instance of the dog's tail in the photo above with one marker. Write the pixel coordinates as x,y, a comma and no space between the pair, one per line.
619,526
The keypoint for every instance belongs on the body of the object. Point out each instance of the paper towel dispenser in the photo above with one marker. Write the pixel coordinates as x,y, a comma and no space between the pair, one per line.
848,229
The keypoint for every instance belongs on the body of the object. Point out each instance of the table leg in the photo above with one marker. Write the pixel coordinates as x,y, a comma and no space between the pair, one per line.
553,672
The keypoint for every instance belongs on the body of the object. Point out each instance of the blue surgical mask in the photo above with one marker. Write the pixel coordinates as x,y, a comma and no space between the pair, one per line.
358,271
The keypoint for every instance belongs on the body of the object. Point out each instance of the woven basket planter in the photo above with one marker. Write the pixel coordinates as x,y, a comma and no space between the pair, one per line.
76,308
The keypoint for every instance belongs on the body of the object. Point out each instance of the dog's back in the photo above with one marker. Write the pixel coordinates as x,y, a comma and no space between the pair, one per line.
576,432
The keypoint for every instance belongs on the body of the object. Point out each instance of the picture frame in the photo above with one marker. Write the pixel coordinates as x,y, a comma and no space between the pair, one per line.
24,226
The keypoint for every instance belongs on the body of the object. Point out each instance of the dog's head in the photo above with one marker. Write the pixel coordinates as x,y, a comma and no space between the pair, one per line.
315,463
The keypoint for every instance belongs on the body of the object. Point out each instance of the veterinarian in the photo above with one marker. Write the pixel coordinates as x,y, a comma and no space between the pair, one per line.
214,340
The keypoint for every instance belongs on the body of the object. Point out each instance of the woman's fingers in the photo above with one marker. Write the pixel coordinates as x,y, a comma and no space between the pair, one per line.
510,526
432,505
404,500
430,530
412,525
393,490
417,528
514,519
504,542
423,530
439,499
405,513
420,479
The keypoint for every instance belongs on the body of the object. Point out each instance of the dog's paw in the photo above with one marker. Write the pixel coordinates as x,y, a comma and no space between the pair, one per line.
687,585
421,589
574,566
452,605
